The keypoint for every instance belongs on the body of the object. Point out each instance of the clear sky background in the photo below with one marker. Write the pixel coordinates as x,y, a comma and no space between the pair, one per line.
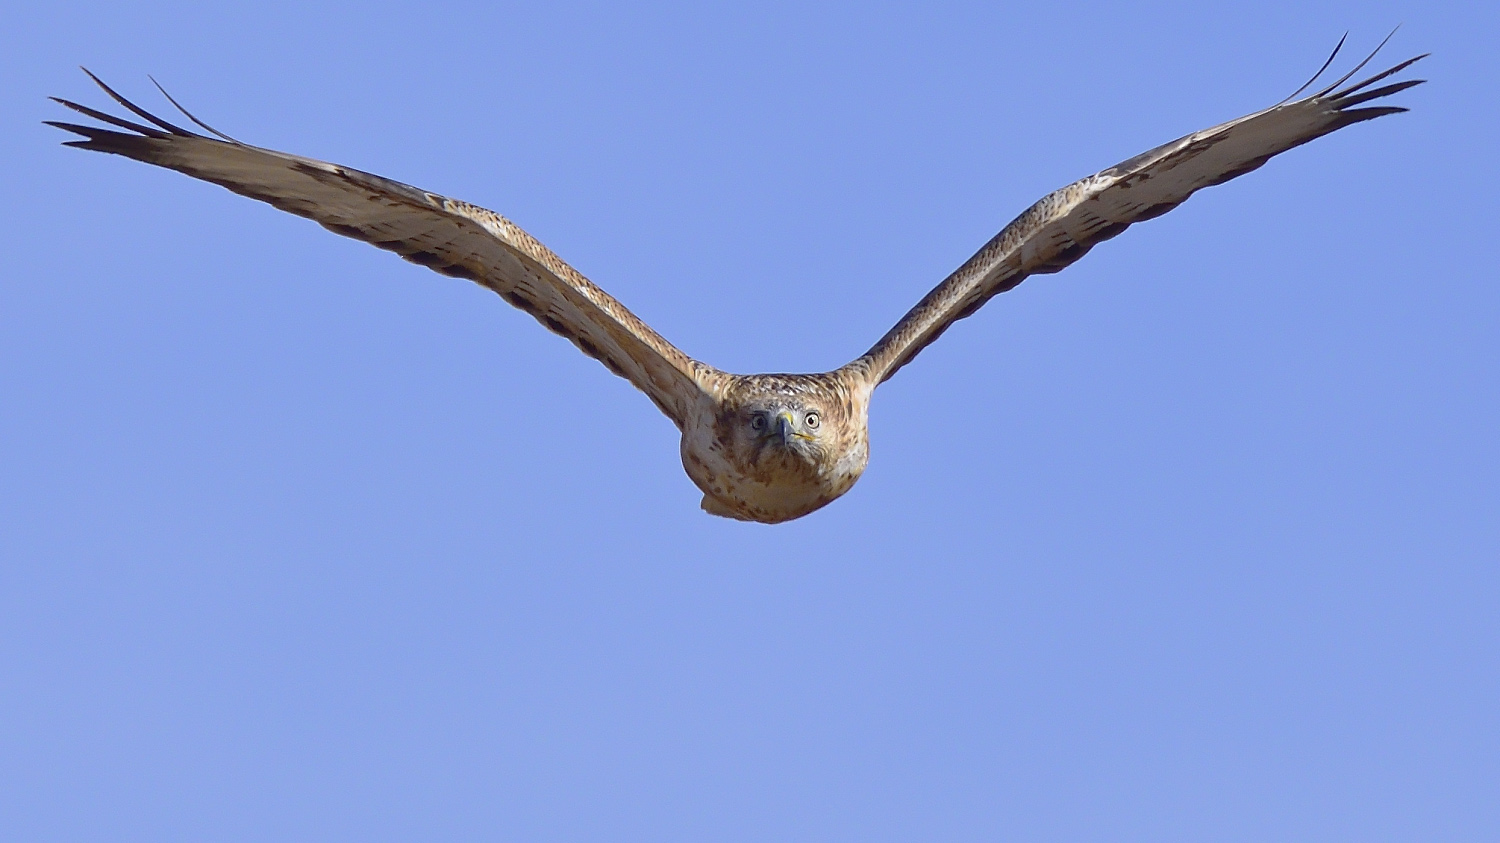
1197,540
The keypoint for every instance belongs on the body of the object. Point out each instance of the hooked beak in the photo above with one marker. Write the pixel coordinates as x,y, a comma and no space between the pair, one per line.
783,428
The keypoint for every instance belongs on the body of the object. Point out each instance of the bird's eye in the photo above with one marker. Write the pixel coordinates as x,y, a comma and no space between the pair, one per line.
757,422
812,421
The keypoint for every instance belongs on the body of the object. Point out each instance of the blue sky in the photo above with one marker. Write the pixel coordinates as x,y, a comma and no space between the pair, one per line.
1194,541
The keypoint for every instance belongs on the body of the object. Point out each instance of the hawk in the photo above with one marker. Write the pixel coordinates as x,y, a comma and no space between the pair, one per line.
766,447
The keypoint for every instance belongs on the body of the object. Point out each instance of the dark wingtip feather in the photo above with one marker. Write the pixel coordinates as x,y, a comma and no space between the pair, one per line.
139,147
71,127
135,109
1358,67
1331,56
1345,102
108,118
189,114
140,141
1359,115
1381,75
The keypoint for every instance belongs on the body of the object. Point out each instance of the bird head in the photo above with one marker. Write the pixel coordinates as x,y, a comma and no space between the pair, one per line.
779,446
782,421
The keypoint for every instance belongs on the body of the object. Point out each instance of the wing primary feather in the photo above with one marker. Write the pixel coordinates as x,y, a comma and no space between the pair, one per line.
105,118
135,109
1376,93
1358,67
1308,84
1360,115
104,140
1382,75
188,114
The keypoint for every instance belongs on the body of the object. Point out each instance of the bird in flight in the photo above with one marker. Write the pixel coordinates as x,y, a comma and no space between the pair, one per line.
766,447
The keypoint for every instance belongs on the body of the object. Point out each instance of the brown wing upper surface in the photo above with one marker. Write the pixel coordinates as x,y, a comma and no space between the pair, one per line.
446,235
1064,225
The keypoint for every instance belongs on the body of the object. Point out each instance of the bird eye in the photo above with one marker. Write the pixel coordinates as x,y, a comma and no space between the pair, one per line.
812,421
757,422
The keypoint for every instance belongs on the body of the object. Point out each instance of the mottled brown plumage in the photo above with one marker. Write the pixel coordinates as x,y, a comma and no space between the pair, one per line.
775,447
764,448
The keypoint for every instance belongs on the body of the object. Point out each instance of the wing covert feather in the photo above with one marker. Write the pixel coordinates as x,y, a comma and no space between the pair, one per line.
1064,225
446,235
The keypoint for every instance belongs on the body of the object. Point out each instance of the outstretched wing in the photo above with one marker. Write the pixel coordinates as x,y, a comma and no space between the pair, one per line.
1064,225
446,235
